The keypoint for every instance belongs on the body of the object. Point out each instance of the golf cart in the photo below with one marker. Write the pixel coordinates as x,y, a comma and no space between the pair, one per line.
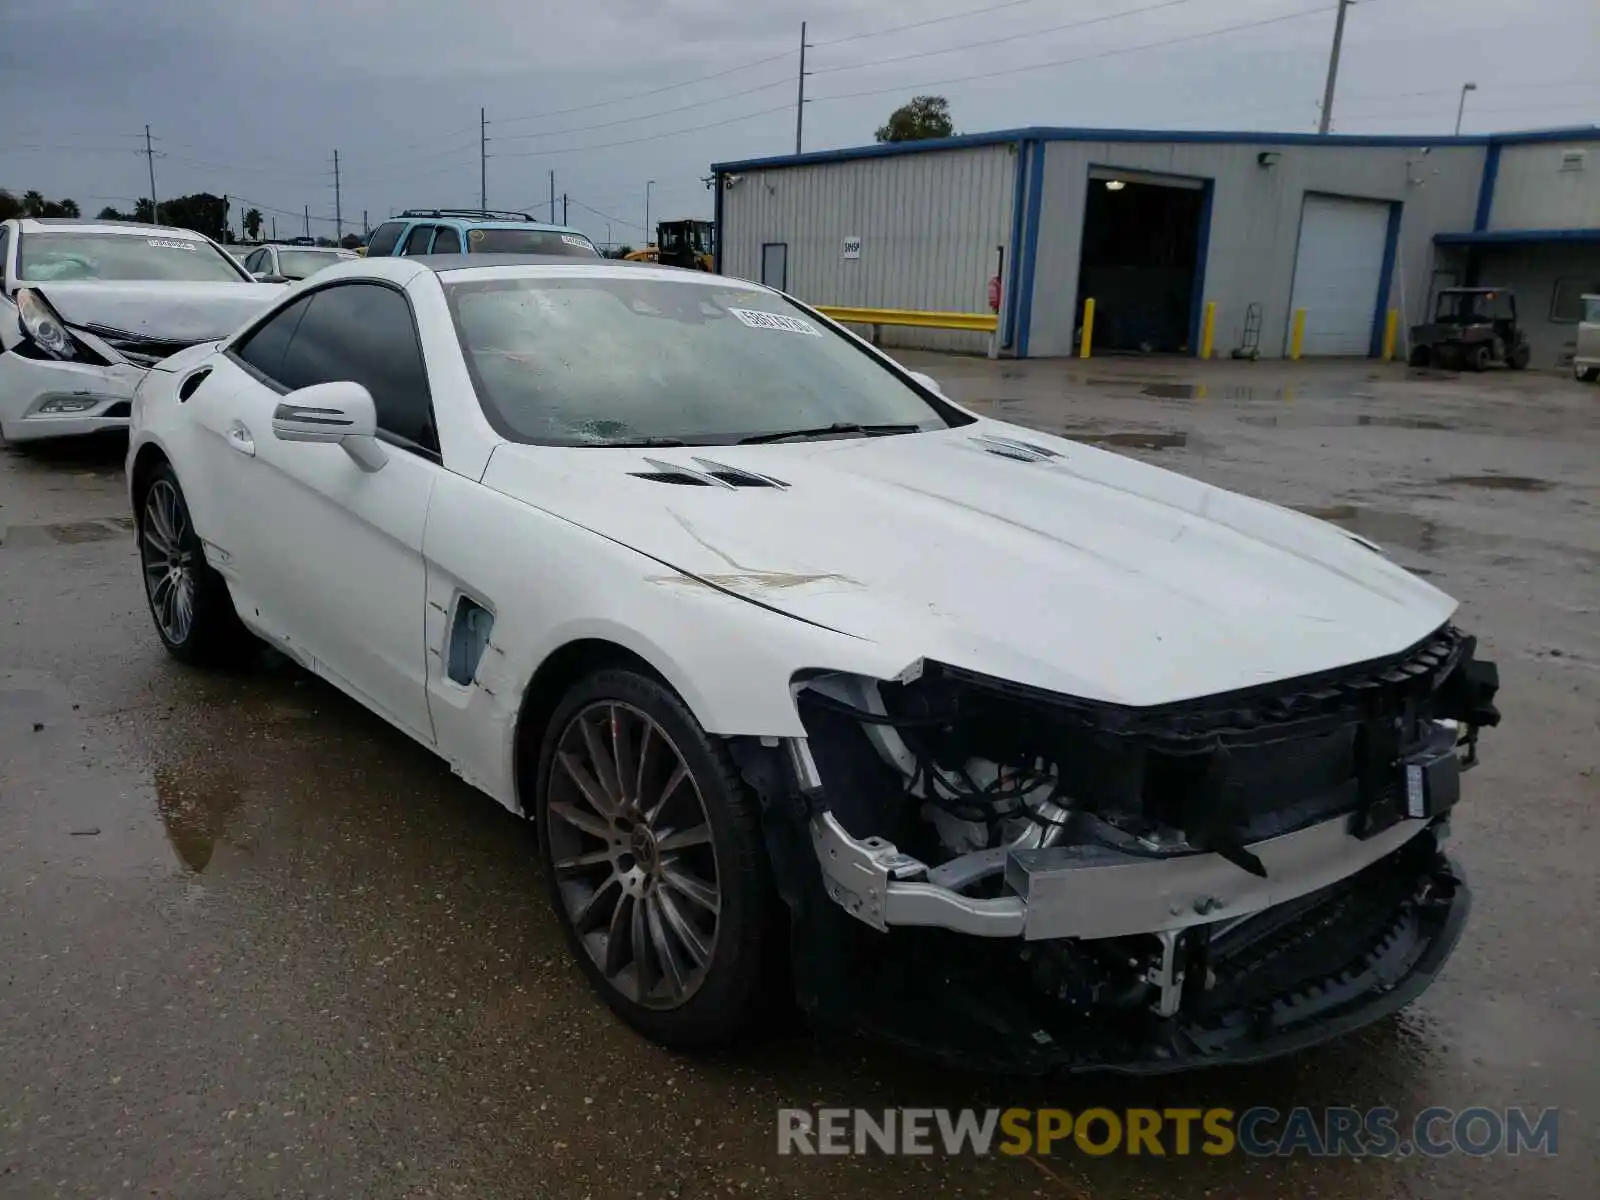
1471,328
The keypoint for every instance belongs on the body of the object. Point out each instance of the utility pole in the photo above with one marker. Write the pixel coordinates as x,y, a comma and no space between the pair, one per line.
1462,107
1333,67
308,220
648,238
552,197
274,228
338,209
563,208
800,96
225,230
366,230
150,157
483,159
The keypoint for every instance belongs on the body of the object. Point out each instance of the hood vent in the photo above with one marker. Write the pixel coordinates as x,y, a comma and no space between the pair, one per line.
1010,448
706,473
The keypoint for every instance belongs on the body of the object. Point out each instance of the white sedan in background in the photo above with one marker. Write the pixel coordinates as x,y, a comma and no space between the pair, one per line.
87,307
1017,750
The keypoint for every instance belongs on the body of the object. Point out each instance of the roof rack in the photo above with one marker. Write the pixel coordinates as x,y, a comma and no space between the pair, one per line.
482,214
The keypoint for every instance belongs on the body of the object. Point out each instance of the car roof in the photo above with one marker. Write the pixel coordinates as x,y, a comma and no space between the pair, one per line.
484,223
132,228
443,264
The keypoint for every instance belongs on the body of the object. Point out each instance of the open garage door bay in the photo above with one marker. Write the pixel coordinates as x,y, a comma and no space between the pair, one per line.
1338,272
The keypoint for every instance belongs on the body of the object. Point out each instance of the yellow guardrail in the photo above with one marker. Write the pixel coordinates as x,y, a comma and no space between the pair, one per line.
971,322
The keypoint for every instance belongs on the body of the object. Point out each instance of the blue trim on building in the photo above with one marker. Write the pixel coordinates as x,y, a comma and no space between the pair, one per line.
1222,137
1391,245
1486,182
1515,237
1013,292
1197,298
1030,249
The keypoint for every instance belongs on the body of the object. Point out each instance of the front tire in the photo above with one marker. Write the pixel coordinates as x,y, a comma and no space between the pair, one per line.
1586,374
189,601
653,852
1478,358
1519,358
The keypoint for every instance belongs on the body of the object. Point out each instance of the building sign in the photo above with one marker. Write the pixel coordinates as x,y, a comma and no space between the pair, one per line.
852,247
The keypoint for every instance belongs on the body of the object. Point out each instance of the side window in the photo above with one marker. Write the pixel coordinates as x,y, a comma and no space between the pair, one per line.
381,243
364,332
256,263
5,245
264,348
417,241
447,240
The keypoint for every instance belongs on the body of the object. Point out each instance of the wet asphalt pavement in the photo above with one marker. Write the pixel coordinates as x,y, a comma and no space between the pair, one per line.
253,942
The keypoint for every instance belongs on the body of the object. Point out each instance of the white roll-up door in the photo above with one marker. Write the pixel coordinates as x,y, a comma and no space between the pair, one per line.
1337,272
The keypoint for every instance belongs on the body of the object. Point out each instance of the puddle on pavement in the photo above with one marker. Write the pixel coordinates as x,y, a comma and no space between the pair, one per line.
1333,420
1153,439
195,806
1500,483
1246,393
1377,525
66,533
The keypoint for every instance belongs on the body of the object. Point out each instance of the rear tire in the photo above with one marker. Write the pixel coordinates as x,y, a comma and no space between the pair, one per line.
1421,356
655,861
1586,374
189,602
1519,358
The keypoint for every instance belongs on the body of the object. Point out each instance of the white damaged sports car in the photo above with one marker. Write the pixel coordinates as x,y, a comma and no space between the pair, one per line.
1006,748
86,307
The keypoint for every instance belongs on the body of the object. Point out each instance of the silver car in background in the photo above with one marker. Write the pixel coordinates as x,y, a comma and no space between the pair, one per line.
1586,354
88,307
289,264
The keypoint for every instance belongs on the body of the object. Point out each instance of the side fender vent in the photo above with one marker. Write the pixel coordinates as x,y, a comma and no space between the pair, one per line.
1010,448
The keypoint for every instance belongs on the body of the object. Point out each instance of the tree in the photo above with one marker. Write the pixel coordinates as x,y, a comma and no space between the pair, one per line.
10,206
201,212
350,241
252,224
924,117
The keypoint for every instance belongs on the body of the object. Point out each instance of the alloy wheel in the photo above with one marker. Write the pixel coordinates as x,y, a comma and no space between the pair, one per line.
632,848
169,566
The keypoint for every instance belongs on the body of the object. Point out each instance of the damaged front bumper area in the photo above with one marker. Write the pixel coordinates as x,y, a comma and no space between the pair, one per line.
1019,881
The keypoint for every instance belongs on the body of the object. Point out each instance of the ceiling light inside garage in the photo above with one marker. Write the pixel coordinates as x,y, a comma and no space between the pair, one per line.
1115,185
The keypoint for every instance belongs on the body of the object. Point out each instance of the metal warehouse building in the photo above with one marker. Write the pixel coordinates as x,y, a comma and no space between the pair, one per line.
1153,225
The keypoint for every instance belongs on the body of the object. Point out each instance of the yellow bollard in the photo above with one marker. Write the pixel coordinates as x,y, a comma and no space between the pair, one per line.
1391,327
1208,328
1297,334
1088,328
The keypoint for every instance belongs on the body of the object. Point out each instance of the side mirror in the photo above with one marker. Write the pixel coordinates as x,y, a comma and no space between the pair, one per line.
266,277
340,412
927,381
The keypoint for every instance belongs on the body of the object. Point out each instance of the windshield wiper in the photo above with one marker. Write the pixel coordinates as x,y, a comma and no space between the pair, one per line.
785,435
624,443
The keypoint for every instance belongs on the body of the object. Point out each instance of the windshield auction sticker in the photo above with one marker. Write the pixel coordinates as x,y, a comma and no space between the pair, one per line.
765,320
166,244
574,241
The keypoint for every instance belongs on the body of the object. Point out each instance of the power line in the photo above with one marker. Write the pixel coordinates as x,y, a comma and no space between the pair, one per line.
960,16
1062,62
649,137
671,87
765,87
1010,37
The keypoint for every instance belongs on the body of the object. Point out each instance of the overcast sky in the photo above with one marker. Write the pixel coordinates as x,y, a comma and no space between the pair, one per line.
252,100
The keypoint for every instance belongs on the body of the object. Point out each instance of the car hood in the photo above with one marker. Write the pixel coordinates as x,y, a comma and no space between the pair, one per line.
159,310
1074,569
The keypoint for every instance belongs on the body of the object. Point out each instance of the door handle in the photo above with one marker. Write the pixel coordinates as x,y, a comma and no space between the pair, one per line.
239,439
